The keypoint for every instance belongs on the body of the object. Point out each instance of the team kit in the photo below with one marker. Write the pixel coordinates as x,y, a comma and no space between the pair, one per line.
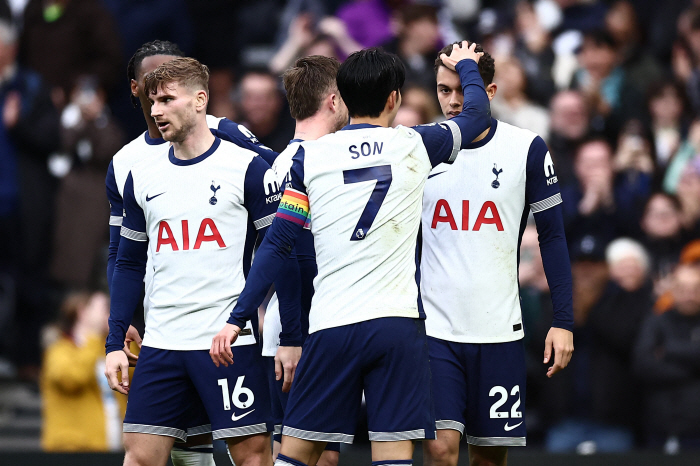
387,258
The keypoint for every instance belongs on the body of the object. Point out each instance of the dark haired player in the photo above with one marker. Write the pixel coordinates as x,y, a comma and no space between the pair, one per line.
474,214
198,449
363,189
315,104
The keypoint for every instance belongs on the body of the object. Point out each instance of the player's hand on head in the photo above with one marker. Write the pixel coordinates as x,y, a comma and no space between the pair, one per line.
117,362
132,335
220,351
560,344
461,51
286,360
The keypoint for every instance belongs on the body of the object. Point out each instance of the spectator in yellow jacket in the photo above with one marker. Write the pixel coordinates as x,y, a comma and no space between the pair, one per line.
80,412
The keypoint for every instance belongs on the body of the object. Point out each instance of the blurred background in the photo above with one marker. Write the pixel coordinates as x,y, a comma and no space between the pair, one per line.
612,86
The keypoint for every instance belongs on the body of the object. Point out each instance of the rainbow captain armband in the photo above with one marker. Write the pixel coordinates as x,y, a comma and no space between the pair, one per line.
294,207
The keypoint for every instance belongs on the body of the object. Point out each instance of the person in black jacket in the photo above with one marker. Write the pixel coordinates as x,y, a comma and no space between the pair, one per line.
667,360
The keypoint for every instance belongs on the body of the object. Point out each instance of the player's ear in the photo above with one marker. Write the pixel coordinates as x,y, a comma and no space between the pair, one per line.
202,99
491,90
134,88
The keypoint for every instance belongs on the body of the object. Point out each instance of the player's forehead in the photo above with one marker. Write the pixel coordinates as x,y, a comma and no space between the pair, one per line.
152,62
171,88
447,78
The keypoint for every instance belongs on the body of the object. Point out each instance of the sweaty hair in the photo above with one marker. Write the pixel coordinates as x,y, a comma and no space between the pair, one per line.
487,66
186,71
149,49
308,82
367,78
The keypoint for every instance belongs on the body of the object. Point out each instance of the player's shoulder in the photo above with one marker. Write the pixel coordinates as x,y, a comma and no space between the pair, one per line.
515,134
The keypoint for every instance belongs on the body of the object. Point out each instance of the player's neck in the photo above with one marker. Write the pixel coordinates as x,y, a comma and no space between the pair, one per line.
195,144
311,128
382,120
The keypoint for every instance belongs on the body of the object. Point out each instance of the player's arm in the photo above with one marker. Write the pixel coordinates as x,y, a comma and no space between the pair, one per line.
116,210
127,284
544,198
444,140
243,137
275,248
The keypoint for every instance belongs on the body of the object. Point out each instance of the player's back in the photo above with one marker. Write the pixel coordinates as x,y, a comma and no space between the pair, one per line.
365,186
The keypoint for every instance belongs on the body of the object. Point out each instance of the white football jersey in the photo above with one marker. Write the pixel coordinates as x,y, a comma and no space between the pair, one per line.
145,147
365,188
200,218
474,213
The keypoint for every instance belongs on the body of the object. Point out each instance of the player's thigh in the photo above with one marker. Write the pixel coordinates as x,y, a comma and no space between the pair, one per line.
444,450
146,449
326,397
496,394
160,395
252,450
487,456
236,398
397,380
449,380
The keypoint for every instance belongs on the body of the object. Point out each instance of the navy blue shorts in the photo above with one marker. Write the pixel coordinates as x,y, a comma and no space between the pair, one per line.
387,358
479,390
172,392
279,404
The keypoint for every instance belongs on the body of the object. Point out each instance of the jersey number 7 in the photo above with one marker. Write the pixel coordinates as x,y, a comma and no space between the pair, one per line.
382,174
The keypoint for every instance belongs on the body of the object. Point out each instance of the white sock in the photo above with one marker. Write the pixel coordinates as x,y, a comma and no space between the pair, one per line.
192,457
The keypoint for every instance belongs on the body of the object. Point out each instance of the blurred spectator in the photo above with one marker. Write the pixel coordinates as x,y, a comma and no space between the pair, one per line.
534,52
65,39
607,416
422,101
604,205
634,153
29,132
685,154
663,236
569,119
328,38
91,137
264,111
512,104
689,196
640,66
80,412
605,84
614,323
667,360
666,104
369,21
417,43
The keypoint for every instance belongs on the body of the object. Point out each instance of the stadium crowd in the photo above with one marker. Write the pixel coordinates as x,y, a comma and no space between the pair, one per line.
613,87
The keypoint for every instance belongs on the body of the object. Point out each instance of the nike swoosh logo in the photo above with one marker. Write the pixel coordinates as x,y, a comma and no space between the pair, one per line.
235,418
149,199
435,174
508,428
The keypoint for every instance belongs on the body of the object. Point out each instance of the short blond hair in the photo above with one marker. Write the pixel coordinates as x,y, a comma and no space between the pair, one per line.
182,70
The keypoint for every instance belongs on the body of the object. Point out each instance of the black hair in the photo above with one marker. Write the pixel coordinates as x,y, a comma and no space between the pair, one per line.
366,80
487,65
599,38
149,49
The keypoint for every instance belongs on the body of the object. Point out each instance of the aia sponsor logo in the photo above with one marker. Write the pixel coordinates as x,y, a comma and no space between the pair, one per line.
488,215
207,232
